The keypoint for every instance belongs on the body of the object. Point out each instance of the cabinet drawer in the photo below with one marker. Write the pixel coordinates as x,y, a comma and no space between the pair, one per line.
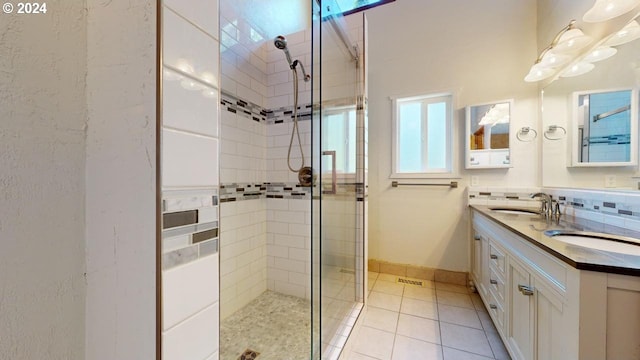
496,286
497,259
496,311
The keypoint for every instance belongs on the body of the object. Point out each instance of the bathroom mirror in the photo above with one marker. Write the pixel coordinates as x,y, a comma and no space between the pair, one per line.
604,128
561,165
487,135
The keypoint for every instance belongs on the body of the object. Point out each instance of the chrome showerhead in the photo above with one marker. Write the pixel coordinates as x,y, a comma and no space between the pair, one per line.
281,43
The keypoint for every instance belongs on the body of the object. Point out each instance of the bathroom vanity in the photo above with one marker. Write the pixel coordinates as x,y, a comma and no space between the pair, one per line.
550,299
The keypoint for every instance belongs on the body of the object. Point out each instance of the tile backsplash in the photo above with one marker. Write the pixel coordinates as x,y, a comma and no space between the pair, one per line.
620,209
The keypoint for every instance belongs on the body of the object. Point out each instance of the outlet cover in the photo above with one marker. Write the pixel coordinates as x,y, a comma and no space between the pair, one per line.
475,181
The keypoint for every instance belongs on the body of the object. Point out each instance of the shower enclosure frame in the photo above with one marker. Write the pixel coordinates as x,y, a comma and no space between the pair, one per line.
347,193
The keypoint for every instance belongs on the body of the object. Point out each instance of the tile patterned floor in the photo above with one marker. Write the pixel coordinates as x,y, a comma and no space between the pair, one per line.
439,321
252,327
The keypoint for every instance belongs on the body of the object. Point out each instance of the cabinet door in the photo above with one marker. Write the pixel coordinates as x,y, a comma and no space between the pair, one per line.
521,312
479,258
553,340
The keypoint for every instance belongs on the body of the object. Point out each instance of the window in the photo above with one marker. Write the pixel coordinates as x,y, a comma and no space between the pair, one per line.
422,136
346,7
339,128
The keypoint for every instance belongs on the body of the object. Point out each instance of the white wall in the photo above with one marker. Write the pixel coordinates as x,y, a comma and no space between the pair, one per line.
480,51
120,180
42,141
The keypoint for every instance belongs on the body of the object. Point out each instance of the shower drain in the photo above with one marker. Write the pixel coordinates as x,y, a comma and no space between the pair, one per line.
410,282
249,355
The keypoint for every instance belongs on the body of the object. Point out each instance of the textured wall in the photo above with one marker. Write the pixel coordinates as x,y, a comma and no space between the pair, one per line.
120,179
42,141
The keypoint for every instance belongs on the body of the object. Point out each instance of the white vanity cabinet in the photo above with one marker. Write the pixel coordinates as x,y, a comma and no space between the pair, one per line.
528,295
544,308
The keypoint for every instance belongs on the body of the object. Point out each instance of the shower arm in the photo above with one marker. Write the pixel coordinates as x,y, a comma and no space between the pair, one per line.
304,73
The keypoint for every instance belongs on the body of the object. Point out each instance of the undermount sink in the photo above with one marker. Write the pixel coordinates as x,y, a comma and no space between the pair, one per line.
598,241
517,211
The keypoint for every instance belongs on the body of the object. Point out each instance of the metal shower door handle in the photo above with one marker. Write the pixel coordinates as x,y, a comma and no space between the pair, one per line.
334,177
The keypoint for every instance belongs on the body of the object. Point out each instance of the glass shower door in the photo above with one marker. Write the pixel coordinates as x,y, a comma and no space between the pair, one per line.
338,206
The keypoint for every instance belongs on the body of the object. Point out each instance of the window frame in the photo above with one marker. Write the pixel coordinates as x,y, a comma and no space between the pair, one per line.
450,170
345,111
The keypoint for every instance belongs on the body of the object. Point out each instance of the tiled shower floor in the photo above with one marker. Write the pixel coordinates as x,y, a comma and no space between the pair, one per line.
438,321
275,325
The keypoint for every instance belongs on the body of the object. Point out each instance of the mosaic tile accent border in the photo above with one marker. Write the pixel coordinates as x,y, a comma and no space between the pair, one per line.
250,191
621,209
614,208
255,112
285,114
243,108
502,196
189,237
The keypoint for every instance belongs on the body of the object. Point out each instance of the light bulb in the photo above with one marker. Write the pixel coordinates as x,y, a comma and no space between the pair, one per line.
571,41
630,32
538,73
600,53
553,60
578,69
604,10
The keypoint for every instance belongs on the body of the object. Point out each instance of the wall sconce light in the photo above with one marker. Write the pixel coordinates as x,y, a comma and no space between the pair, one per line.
604,10
630,32
600,53
569,40
576,69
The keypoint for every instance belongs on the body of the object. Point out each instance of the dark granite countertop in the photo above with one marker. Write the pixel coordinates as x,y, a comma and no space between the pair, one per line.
532,227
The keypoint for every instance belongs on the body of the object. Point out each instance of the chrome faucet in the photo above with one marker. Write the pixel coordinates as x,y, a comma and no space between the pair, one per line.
547,204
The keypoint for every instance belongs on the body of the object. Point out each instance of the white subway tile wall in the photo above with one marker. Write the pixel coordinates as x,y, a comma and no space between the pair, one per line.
190,155
243,250
254,152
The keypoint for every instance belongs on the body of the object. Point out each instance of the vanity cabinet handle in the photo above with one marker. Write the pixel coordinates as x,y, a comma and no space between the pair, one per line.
525,290
477,237
493,306
494,256
493,281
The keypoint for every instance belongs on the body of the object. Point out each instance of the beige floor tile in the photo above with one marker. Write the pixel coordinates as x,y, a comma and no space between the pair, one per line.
381,319
465,338
387,277
375,343
389,288
372,275
459,316
406,348
370,284
357,356
419,328
425,309
385,301
455,354
454,299
499,351
487,323
477,302
420,293
453,288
